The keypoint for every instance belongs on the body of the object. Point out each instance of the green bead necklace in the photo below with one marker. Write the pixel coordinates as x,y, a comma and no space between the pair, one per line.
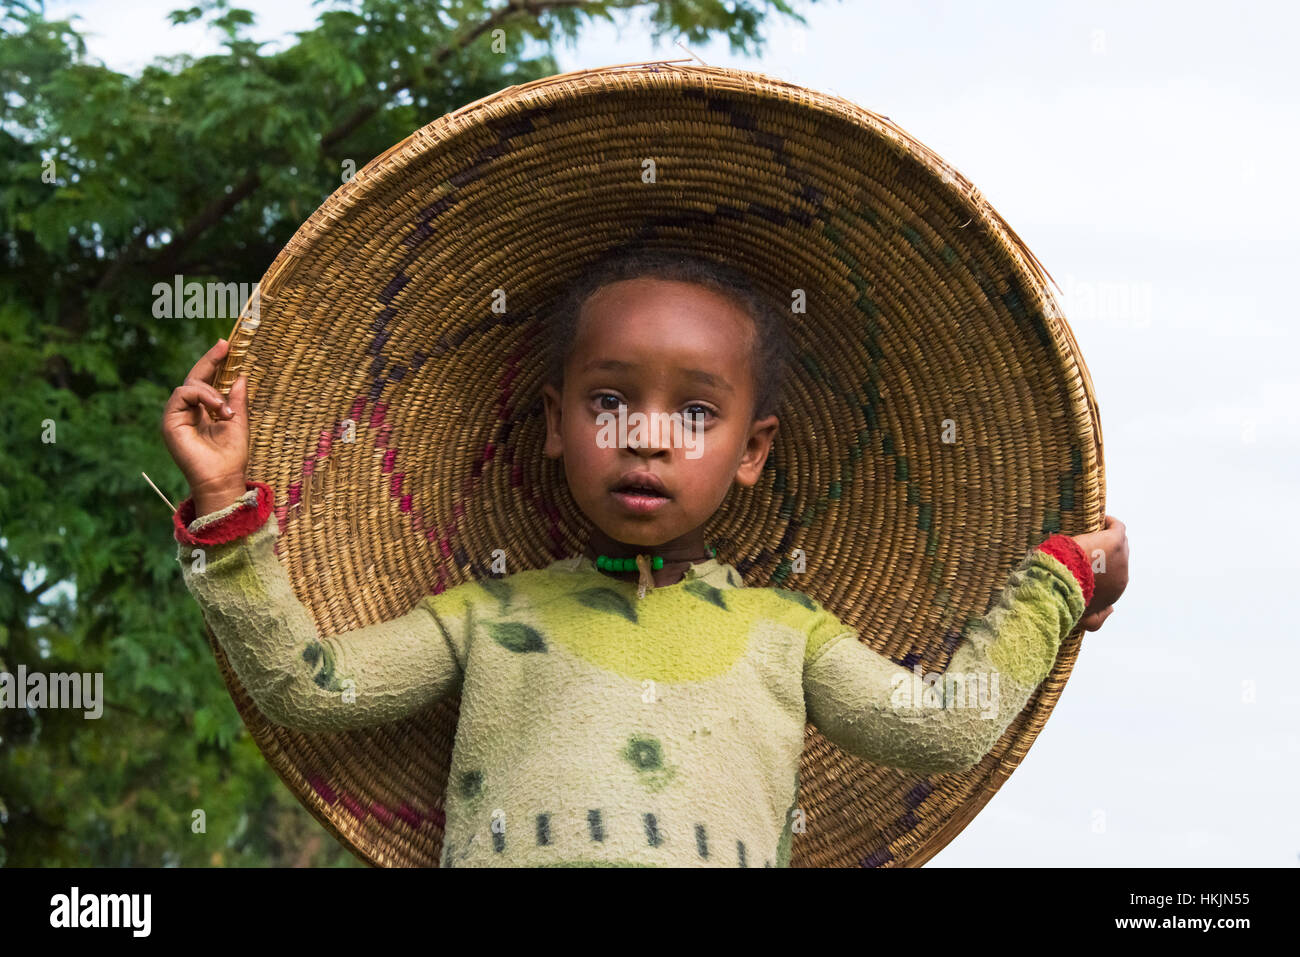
608,563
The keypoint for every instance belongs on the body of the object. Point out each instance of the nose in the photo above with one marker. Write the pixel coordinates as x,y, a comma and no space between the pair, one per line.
653,435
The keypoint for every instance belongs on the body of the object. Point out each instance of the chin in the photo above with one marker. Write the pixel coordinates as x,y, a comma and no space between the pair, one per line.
640,538
632,533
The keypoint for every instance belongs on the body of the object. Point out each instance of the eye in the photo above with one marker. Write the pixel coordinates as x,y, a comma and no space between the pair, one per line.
607,408
707,412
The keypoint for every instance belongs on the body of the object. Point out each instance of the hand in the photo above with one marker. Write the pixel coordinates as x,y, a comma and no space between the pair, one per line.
1112,542
211,449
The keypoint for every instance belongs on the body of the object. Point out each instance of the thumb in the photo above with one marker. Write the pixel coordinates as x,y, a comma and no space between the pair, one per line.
238,400
1094,621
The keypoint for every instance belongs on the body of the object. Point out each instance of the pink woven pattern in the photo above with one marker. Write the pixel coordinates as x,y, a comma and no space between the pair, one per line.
388,817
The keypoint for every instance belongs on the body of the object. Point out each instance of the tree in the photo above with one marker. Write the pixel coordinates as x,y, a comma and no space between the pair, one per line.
202,167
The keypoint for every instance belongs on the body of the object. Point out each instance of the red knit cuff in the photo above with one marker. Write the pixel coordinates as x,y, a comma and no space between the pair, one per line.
240,522
1070,554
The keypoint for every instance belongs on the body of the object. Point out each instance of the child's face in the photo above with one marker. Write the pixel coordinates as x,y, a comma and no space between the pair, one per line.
658,347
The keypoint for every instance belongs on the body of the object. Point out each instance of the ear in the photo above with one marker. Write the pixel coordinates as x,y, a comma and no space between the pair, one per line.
554,446
761,435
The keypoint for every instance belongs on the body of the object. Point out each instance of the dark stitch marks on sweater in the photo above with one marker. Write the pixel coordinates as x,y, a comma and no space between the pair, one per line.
654,833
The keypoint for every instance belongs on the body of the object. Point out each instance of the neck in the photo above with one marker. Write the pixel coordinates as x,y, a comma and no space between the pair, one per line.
678,554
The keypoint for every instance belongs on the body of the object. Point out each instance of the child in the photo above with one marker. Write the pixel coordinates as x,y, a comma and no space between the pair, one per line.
652,712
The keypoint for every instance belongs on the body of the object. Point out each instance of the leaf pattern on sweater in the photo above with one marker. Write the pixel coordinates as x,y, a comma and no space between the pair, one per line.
704,590
516,636
796,596
645,754
499,589
607,600
318,654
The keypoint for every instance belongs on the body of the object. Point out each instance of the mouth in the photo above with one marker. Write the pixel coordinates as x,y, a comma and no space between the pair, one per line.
642,483
640,492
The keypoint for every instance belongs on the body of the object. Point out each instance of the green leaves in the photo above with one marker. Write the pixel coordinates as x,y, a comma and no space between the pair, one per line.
213,726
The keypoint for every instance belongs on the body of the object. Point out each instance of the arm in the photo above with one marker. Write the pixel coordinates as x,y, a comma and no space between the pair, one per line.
297,677
872,708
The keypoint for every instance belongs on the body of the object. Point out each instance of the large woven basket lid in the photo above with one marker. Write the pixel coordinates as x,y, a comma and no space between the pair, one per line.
939,422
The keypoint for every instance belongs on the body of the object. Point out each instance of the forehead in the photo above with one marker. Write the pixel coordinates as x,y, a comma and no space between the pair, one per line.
664,322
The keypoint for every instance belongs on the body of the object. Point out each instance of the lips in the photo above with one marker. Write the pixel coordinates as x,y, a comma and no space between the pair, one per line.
641,483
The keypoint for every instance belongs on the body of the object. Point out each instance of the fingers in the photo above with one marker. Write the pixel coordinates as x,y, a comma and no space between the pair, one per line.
1093,622
1113,535
207,365
185,397
238,399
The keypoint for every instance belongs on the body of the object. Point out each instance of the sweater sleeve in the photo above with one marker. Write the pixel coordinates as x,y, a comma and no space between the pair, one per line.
882,712
297,677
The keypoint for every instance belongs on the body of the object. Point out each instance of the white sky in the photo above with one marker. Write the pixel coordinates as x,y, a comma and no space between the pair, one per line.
1149,146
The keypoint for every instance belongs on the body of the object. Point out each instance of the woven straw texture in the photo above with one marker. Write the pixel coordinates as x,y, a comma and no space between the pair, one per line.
939,422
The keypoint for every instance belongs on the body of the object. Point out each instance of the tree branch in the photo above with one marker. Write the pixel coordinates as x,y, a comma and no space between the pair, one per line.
515,7
211,214
217,209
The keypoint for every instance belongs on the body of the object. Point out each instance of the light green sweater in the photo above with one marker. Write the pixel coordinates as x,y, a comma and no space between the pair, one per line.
599,728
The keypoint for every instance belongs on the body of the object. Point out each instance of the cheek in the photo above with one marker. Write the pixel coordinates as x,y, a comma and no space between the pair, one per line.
716,449
713,465
582,451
